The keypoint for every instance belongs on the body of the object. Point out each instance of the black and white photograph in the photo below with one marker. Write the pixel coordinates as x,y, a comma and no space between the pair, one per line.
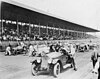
49,39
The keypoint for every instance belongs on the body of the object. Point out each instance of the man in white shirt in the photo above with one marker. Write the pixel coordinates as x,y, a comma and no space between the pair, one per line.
97,68
94,56
8,50
31,49
72,55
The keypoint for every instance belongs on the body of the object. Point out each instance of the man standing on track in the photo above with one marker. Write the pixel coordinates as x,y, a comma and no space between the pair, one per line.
94,56
8,50
97,68
72,55
31,50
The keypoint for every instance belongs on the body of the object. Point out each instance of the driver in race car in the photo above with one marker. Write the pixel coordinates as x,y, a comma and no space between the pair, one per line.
22,44
31,50
57,46
52,48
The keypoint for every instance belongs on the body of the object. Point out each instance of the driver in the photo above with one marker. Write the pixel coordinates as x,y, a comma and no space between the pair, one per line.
64,51
57,46
22,44
52,48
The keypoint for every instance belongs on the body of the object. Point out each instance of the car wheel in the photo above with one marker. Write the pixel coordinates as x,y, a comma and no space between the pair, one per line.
71,65
33,69
56,70
6,53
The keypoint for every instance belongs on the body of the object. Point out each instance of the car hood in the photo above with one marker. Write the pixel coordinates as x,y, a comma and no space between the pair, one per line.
54,54
18,47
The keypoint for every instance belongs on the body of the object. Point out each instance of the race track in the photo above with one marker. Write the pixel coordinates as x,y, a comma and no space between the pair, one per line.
19,67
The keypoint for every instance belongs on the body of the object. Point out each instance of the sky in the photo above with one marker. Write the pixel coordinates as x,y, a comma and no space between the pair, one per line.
83,12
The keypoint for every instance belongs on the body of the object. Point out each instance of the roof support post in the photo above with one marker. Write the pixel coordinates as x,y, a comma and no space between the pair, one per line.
59,30
63,32
2,29
81,34
17,28
39,30
68,33
53,31
29,31
29,28
47,29
76,34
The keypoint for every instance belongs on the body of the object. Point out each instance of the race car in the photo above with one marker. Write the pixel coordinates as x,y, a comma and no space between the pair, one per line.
92,45
82,47
20,48
54,62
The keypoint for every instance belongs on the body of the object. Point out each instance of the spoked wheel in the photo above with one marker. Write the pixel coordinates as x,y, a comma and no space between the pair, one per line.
71,65
33,69
56,70
6,53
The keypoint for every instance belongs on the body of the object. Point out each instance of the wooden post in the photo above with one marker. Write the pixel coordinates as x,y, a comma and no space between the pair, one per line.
63,32
68,33
53,30
2,26
29,28
47,29
77,34
39,30
17,28
59,30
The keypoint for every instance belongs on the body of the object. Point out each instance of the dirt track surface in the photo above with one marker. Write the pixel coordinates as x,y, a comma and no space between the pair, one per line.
19,67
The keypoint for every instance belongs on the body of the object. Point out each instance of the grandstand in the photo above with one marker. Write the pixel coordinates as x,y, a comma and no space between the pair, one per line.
20,22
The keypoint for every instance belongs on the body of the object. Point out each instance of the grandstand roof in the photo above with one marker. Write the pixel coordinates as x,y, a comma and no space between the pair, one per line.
15,11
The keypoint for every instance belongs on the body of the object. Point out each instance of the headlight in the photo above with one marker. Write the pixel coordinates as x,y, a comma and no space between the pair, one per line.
38,60
50,60
54,61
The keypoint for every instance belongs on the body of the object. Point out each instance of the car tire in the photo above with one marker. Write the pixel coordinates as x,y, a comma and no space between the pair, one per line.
56,70
71,65
6,53
34,72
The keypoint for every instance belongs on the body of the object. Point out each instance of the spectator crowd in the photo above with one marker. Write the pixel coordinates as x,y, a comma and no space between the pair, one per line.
12,33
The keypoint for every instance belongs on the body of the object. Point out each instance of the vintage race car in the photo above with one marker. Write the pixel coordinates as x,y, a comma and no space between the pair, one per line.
53,62
82,47
92,45
19,50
